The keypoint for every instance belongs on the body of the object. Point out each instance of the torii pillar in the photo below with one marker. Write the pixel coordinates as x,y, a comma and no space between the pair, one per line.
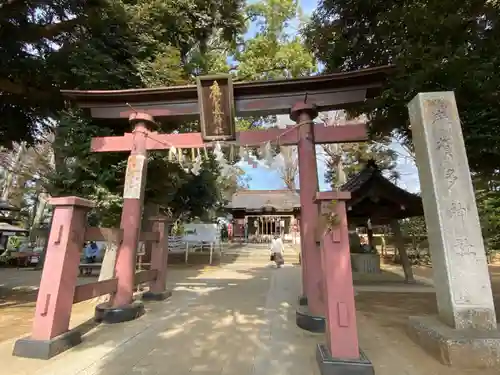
310,314
122,307
311,311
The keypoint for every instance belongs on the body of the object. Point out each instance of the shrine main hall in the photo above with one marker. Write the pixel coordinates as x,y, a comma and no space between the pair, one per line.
260,214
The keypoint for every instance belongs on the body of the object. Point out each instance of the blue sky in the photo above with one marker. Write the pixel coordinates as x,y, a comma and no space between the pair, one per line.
266,178
263,178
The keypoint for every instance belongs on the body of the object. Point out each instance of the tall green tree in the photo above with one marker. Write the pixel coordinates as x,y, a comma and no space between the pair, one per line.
105,44
352,158
434,45
276,50
344,160
99,44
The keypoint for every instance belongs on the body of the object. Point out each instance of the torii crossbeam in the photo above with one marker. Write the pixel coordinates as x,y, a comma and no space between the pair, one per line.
151,106
156,141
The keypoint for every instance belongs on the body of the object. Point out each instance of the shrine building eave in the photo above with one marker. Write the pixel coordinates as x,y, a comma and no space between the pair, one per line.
265,201
328,92
376,198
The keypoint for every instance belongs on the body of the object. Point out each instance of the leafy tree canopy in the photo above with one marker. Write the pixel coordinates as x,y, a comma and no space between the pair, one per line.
435,46
98,44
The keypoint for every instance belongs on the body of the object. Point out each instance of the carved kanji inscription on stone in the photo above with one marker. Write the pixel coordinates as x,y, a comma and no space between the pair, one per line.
457,210
444,145
460,261
451,177
463,247
438,109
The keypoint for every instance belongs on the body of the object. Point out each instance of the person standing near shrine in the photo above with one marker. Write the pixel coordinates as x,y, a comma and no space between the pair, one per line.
277,251
91,253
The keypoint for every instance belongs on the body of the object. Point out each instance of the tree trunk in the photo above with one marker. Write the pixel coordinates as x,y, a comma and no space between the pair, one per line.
41,262
38,216
399,242
12,174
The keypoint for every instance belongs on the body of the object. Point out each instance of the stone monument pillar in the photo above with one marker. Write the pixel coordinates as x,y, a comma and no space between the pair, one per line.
465,333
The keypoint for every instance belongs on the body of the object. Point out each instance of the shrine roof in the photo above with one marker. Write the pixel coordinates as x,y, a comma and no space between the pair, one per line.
374,196
258,200
360,77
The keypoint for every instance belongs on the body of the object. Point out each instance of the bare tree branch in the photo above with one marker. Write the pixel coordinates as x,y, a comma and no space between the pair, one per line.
290,168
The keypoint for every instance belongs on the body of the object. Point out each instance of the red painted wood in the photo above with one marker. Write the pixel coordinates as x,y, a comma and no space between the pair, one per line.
131,219
144,276
91,290
155,141
159,256
57,287
110,144
343,313
308,178
328,92
333,195
341,332
149,236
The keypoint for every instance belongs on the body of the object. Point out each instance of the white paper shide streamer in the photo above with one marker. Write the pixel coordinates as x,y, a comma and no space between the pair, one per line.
196,165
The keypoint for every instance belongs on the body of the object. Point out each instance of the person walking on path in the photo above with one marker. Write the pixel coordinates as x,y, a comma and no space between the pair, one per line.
277,250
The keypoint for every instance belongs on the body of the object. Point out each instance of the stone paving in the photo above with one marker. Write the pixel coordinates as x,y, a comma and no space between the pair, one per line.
229,320
221,322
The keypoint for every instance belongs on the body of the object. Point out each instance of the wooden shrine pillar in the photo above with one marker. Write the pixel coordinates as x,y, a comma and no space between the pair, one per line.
133,197
369,234
159,259
310,315
122,307
50,334
341,353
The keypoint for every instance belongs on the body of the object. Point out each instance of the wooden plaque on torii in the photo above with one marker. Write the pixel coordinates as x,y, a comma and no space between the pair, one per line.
216,106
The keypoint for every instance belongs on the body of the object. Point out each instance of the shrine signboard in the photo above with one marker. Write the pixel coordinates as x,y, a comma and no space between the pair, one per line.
216,106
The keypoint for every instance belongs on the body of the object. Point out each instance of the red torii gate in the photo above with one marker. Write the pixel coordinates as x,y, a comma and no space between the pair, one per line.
150,106
305,137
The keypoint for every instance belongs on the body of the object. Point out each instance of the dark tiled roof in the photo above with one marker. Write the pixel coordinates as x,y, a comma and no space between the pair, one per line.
279,200
372,194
